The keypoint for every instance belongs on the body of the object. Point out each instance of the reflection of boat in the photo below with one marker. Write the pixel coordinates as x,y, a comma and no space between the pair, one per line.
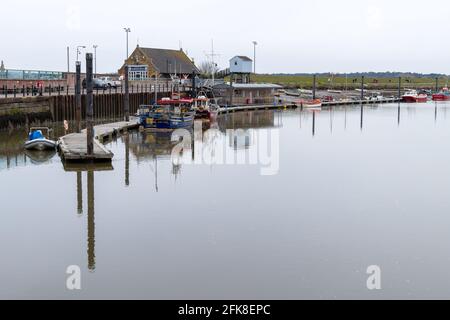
444,95
40,157
37,140
412,97
168,114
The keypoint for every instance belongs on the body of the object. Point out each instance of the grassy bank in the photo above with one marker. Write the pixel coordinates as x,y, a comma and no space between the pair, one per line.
341,82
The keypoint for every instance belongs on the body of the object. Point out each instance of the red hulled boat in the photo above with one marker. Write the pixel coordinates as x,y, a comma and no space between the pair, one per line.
413,97
444,95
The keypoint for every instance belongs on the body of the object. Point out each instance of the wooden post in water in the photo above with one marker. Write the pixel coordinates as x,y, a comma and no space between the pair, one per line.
79,193
126,101
89,104
314,86
362,88
399,87
78,96
437,85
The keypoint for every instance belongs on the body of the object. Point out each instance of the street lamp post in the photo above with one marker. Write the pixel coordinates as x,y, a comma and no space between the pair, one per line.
95,60
254,56
79,52
127,30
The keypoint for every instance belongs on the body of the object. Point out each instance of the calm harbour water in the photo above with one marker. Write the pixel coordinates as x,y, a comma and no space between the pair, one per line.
353,190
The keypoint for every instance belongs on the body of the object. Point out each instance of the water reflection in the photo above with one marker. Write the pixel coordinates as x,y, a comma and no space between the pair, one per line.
91,220
199,226
89,169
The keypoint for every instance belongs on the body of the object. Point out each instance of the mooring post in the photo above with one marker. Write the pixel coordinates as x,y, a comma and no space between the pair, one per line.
14,91
126,102
362,88
23,90
89,104
78,96
314,86
79,193
399,87
437,85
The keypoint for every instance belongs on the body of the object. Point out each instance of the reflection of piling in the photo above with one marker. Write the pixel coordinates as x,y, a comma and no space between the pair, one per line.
314,124
91,221
126,102
127,159
399,115
79,193
362,117
435,112
78,96
89,104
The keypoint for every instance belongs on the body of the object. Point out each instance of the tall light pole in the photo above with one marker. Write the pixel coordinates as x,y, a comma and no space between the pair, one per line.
127,30
78,51
95,60
254,56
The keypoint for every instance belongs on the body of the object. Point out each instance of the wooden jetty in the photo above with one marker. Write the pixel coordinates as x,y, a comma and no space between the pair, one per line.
106,132
294,104
73,147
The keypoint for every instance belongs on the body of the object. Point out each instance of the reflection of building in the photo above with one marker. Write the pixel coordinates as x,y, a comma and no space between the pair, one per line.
145,63
11,150
240,139
248,120
150,145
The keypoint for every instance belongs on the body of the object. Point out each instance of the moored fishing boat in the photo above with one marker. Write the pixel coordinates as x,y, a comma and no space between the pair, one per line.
38,141
204,109
167,114
413,97
443,95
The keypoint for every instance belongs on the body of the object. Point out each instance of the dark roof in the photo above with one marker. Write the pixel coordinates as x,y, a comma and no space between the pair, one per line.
244,58
165,60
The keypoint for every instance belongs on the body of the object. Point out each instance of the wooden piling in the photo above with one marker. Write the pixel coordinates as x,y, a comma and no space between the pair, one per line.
78,96
89,104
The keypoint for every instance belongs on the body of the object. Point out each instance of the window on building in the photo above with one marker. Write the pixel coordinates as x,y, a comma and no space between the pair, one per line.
138,73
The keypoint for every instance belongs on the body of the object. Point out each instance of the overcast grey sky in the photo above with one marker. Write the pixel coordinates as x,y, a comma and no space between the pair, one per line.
293,35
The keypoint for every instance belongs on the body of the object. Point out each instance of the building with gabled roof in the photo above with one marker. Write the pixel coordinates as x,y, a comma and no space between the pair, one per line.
145,63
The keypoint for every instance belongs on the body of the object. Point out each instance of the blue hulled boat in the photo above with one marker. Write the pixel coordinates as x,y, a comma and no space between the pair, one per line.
168,114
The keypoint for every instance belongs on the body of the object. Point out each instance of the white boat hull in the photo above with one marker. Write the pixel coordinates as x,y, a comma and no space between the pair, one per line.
41,145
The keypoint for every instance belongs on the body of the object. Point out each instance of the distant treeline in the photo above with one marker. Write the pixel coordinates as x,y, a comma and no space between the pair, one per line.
378,75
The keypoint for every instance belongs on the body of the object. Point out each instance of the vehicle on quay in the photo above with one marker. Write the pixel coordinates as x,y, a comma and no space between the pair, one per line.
110,82
98,83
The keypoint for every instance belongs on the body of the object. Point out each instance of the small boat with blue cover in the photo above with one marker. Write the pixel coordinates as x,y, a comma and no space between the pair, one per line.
37,140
